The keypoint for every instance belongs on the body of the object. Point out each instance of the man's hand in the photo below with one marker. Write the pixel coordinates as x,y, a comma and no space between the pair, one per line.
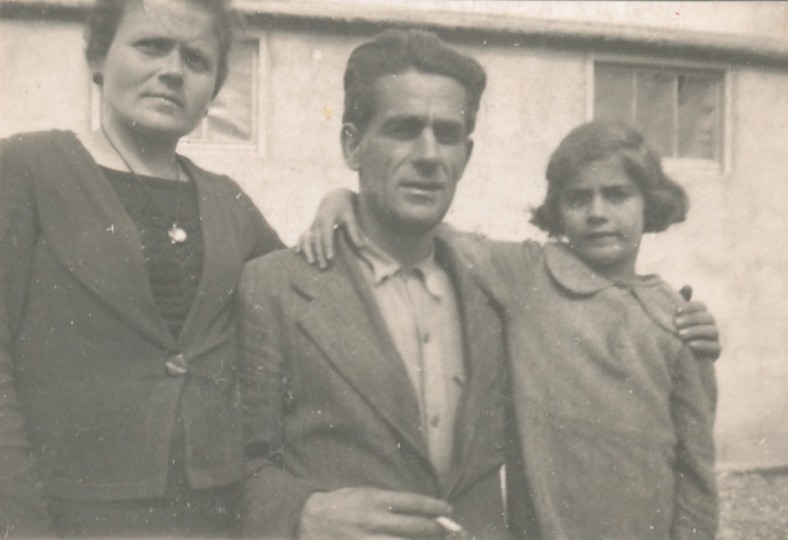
354,513
697,328
336,210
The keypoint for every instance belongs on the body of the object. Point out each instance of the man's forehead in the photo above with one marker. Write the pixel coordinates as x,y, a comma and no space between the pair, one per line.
420,94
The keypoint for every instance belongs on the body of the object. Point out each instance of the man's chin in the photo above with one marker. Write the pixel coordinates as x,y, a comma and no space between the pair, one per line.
415,226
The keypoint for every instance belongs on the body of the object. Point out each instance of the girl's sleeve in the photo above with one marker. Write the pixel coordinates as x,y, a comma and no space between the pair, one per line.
22,508
693,404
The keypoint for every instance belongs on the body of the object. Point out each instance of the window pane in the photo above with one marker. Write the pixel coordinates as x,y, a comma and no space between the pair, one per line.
678,110
614,93
231,115
699,113
654,99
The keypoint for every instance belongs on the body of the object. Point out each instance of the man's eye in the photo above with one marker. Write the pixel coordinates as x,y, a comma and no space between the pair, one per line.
449,134
404,131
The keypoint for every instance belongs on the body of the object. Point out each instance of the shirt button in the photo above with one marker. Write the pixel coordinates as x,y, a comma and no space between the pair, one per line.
435,421
175,366
425,337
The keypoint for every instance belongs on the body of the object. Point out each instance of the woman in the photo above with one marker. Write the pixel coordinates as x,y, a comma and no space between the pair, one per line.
119,260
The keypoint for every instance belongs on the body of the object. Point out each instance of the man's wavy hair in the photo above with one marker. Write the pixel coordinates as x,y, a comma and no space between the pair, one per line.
397,51
106,15
665,200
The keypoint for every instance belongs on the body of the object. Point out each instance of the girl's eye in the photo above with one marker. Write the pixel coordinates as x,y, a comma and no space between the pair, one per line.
576,199
619,196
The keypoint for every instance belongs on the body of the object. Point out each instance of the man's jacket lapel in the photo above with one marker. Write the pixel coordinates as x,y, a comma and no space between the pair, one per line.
480,412
345,323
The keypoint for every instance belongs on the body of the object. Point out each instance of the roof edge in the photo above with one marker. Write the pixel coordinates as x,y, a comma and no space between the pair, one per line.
346,15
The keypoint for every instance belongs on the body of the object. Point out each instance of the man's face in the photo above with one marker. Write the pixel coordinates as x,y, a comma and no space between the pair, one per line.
412,153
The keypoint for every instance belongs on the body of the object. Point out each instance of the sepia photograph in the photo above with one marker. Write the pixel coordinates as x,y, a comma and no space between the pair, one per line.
434,269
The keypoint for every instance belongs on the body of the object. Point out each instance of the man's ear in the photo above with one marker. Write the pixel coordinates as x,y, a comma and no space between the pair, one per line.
469,150
351,138
468,153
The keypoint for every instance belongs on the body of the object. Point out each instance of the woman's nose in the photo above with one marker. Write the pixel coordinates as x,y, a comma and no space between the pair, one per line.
172,65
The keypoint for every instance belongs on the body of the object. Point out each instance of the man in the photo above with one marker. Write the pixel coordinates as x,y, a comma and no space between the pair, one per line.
373,391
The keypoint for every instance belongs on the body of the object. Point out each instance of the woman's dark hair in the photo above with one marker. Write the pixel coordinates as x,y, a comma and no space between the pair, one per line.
397,51
106,16
665,201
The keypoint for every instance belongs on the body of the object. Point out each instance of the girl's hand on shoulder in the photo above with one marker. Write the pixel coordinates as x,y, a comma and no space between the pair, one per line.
698,329
336,209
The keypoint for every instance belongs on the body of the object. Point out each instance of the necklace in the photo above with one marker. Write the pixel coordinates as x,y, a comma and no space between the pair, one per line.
176,233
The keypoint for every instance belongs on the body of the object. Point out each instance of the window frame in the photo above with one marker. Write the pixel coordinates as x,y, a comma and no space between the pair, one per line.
720,166
257,128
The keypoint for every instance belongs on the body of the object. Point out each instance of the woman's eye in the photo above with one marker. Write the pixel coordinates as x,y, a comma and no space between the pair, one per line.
196,61
152,47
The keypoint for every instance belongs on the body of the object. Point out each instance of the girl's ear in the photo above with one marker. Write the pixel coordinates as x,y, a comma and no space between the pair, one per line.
351,138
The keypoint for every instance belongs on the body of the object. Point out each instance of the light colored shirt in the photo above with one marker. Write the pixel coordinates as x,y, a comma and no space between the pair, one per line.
419,307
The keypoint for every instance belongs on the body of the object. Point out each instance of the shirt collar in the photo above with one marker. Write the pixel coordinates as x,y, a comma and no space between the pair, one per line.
577,277
572,273
384,267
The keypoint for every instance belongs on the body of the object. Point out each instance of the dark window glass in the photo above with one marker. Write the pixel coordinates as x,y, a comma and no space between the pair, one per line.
679,111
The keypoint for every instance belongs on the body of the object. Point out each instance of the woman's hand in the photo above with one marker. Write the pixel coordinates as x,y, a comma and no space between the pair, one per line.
336,209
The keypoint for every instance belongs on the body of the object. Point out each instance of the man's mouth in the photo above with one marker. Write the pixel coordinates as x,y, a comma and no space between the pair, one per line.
423,187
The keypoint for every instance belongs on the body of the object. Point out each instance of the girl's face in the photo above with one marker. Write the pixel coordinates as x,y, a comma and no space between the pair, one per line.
160,71
602,213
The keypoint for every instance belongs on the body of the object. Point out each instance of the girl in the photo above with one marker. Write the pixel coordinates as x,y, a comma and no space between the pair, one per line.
614,414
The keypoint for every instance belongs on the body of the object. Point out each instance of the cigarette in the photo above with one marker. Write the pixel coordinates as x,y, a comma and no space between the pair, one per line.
449,524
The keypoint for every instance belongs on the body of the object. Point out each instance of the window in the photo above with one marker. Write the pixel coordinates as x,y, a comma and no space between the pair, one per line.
232,117
678,110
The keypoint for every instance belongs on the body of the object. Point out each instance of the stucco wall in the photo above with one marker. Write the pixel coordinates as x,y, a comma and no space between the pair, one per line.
731,249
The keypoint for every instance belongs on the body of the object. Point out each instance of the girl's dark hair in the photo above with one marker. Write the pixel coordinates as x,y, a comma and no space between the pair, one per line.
396,51
106,16
665,201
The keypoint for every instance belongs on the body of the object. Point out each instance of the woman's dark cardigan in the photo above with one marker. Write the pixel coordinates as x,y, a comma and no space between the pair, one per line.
91,379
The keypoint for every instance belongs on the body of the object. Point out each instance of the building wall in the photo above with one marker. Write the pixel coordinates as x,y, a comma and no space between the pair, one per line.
731,249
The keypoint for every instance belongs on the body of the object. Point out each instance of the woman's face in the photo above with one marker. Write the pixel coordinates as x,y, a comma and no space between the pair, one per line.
160,71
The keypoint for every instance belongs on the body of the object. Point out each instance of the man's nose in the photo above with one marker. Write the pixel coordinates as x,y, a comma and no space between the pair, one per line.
427,145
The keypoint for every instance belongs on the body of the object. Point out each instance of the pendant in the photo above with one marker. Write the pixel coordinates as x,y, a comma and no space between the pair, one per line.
177,235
